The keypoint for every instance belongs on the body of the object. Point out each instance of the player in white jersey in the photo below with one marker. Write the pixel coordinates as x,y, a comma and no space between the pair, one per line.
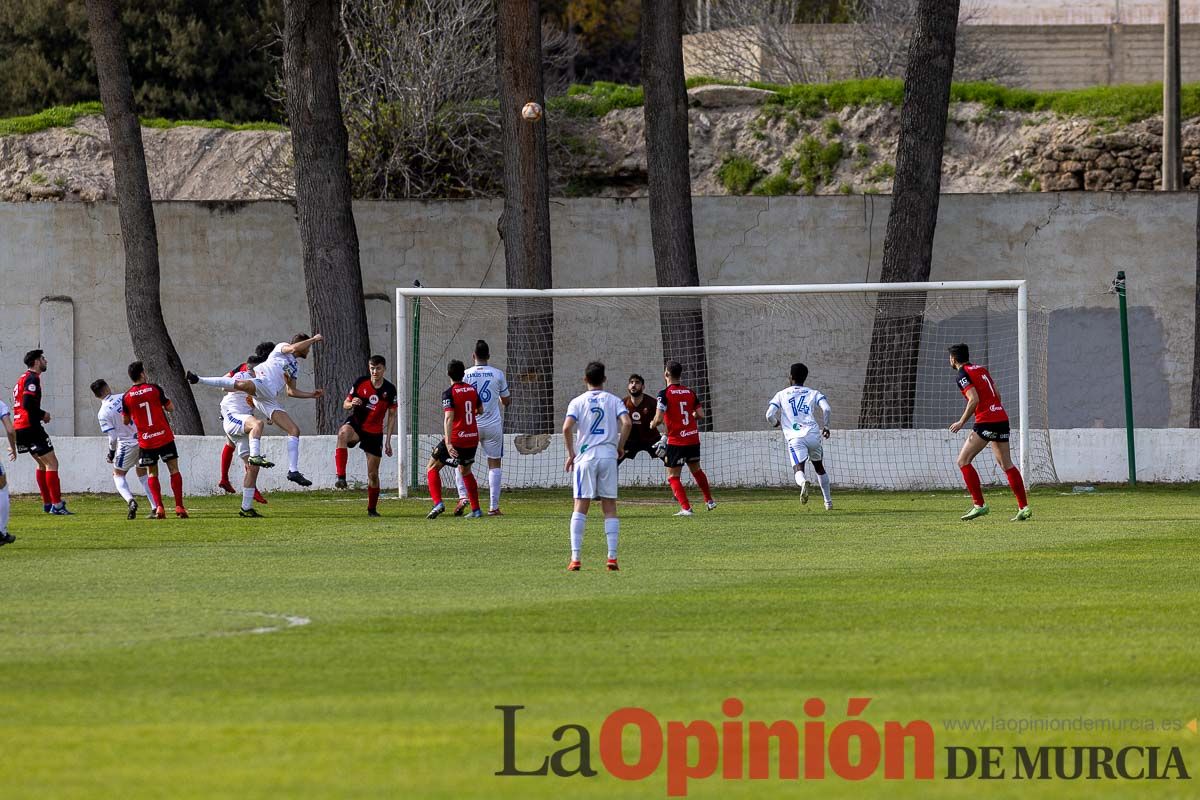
6,421
795,411
594,431
244,431
122,445
493,393
276,375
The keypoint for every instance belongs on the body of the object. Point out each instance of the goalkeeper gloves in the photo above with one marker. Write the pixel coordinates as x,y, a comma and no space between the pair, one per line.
660,448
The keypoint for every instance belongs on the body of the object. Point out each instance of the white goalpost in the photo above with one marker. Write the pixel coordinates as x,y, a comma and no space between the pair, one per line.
878,351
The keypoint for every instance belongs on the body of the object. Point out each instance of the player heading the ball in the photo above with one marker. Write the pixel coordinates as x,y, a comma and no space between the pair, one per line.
594,432
991,427
794,411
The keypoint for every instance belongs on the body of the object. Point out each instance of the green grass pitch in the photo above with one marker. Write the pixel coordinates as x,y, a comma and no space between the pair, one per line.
128,669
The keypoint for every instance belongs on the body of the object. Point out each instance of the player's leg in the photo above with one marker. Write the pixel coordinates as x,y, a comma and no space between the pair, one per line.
171,457
460,483
674,470
466,457
373,462
491,442
701,479
798,458
583,486
150,461
143,476
972,447
1003,455
249,483
226,462
5,536
224,382
495,473
347,437
823,481
439,458
49,460
285,423
606,488
254,428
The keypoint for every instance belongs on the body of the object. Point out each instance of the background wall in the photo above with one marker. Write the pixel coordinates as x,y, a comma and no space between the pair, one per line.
232,277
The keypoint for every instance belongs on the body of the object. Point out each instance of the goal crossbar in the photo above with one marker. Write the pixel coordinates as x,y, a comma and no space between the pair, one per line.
405,366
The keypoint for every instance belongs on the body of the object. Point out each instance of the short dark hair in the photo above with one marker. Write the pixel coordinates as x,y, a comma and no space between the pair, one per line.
674,369
456,370
263,350
99,387
135,370
594,374
255,360
32,356
299,337
377,361
636,377
482,350
799,373
960,353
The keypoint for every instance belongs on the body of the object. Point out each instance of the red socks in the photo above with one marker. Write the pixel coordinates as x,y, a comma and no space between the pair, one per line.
53,487
702,482
680,494
434,477
972,480
472,490
226,460
155,491
340,455
177,488
1017,485
372,494
43,486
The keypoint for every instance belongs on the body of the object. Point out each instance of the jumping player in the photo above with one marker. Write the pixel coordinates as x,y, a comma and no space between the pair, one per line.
597,424
679,407
493,393
28,418
457,448
371,398
792,409
991,427
641,408
243,432
11,433
122,445
145,405
275,376
229,449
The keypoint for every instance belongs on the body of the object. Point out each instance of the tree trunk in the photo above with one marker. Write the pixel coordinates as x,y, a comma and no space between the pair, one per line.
670,186
525,223
139,236
329,239
1194,420
889,395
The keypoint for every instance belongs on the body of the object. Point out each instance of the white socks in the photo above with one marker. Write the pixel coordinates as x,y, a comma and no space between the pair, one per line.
4,509
255,446
247,498
612,527
221,383
800,479
462,486
826,492
293,454
146,487
122,484
494,488
577,522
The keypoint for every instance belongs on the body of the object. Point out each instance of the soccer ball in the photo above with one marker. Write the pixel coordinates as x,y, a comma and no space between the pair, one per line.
532,112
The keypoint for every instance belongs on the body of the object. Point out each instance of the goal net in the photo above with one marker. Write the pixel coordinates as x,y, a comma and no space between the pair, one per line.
877,351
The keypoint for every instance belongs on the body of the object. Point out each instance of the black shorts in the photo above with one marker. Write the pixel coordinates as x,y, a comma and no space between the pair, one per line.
33,440
466,455
992,431
371,443
680,454
165,453
633,448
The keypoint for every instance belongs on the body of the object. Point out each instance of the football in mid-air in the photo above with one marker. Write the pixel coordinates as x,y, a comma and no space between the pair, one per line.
532,112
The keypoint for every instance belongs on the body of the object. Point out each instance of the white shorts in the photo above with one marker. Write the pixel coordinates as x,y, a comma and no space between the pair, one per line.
234,426
491,441
596,478
801,450
127,456
265,398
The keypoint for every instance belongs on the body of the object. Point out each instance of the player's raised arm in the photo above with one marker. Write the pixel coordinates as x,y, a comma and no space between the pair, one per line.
302,345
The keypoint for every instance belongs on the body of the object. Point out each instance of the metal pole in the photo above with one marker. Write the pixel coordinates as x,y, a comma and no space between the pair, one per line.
1120,287
1171,167
1023,375
416,390
402,400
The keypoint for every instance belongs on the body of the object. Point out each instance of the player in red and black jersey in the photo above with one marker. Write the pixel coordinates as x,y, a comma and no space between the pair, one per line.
145,406
460,403
371,402
991,427
28,418
680,408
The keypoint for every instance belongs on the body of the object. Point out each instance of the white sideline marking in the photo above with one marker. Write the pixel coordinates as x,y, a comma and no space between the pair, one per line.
288,620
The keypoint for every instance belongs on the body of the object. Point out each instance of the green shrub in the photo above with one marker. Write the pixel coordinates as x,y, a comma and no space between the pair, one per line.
832,126
816,161
776,185
883,171
738,174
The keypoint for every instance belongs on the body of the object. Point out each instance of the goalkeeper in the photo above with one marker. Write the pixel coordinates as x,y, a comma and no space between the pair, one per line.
641,408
